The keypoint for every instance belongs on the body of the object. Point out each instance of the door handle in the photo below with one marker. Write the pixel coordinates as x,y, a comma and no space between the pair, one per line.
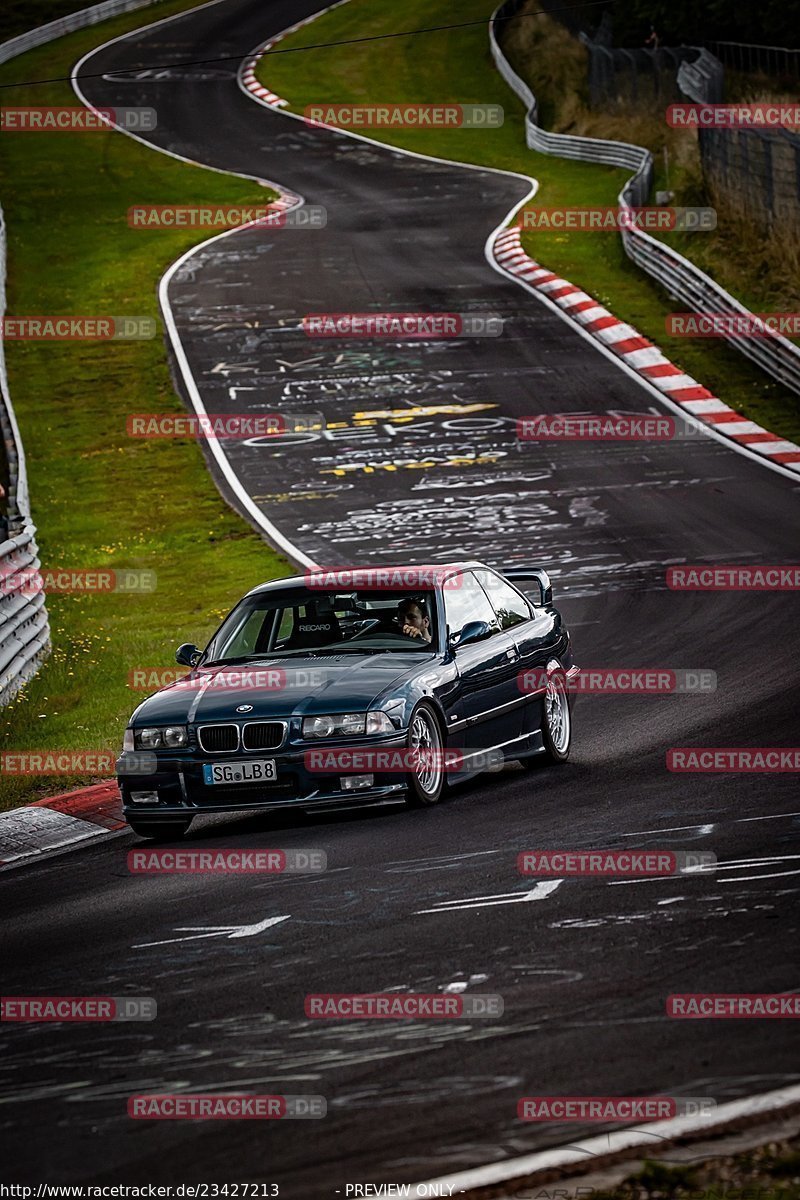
512,652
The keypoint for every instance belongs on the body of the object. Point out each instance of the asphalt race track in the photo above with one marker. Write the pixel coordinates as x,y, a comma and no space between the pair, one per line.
431,900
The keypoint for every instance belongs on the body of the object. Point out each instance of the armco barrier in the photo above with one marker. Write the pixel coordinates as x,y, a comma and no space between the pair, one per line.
24,628
683,281
68,24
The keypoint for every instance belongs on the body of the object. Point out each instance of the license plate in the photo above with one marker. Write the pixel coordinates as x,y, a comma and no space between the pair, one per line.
259,770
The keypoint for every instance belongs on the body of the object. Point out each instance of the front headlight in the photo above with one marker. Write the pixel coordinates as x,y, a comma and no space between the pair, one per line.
155,738
347,725
378,722
336,725
175,735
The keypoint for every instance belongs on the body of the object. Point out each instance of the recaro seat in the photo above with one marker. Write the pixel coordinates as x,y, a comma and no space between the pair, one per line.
318,627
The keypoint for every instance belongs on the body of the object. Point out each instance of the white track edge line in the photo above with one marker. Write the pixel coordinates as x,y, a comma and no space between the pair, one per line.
617,1141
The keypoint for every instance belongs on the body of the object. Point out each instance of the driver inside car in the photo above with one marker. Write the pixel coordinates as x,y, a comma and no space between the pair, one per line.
412,617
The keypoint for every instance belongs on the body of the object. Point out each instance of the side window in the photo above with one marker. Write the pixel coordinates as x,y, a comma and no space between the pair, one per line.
465,600
511,608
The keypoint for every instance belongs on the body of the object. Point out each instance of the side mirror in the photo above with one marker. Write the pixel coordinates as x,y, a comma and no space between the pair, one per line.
473,631
188,655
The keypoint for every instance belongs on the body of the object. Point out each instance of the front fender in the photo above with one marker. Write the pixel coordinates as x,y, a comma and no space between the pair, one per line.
432,685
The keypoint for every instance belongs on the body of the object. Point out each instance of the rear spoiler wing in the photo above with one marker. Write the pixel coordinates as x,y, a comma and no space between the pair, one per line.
533,581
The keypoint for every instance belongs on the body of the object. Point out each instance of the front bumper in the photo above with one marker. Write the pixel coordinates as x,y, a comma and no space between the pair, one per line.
181,789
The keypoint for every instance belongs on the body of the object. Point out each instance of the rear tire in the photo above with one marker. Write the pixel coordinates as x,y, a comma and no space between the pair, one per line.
161,831
426,783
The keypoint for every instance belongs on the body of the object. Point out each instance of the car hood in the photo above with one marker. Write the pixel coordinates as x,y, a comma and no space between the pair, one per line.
282,687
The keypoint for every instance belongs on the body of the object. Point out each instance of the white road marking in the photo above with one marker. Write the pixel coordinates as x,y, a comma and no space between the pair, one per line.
703,829
772,817
543,888
734,864
225,368
206,931
752,878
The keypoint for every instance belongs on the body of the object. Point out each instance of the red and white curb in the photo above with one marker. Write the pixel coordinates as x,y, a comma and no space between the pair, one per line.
247,72
642,355
251,83
59,821
285,201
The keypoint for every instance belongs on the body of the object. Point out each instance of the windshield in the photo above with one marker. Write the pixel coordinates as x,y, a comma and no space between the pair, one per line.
312,621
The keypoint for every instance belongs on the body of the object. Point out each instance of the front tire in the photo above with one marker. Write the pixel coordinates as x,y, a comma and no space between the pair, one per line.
426,782
556,725
161,831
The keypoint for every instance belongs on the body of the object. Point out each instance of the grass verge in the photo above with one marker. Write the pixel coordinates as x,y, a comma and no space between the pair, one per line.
99,498
770,1172
455,65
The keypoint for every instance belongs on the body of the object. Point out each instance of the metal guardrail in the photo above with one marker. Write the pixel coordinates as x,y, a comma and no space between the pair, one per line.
68,24
24,627
682,280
